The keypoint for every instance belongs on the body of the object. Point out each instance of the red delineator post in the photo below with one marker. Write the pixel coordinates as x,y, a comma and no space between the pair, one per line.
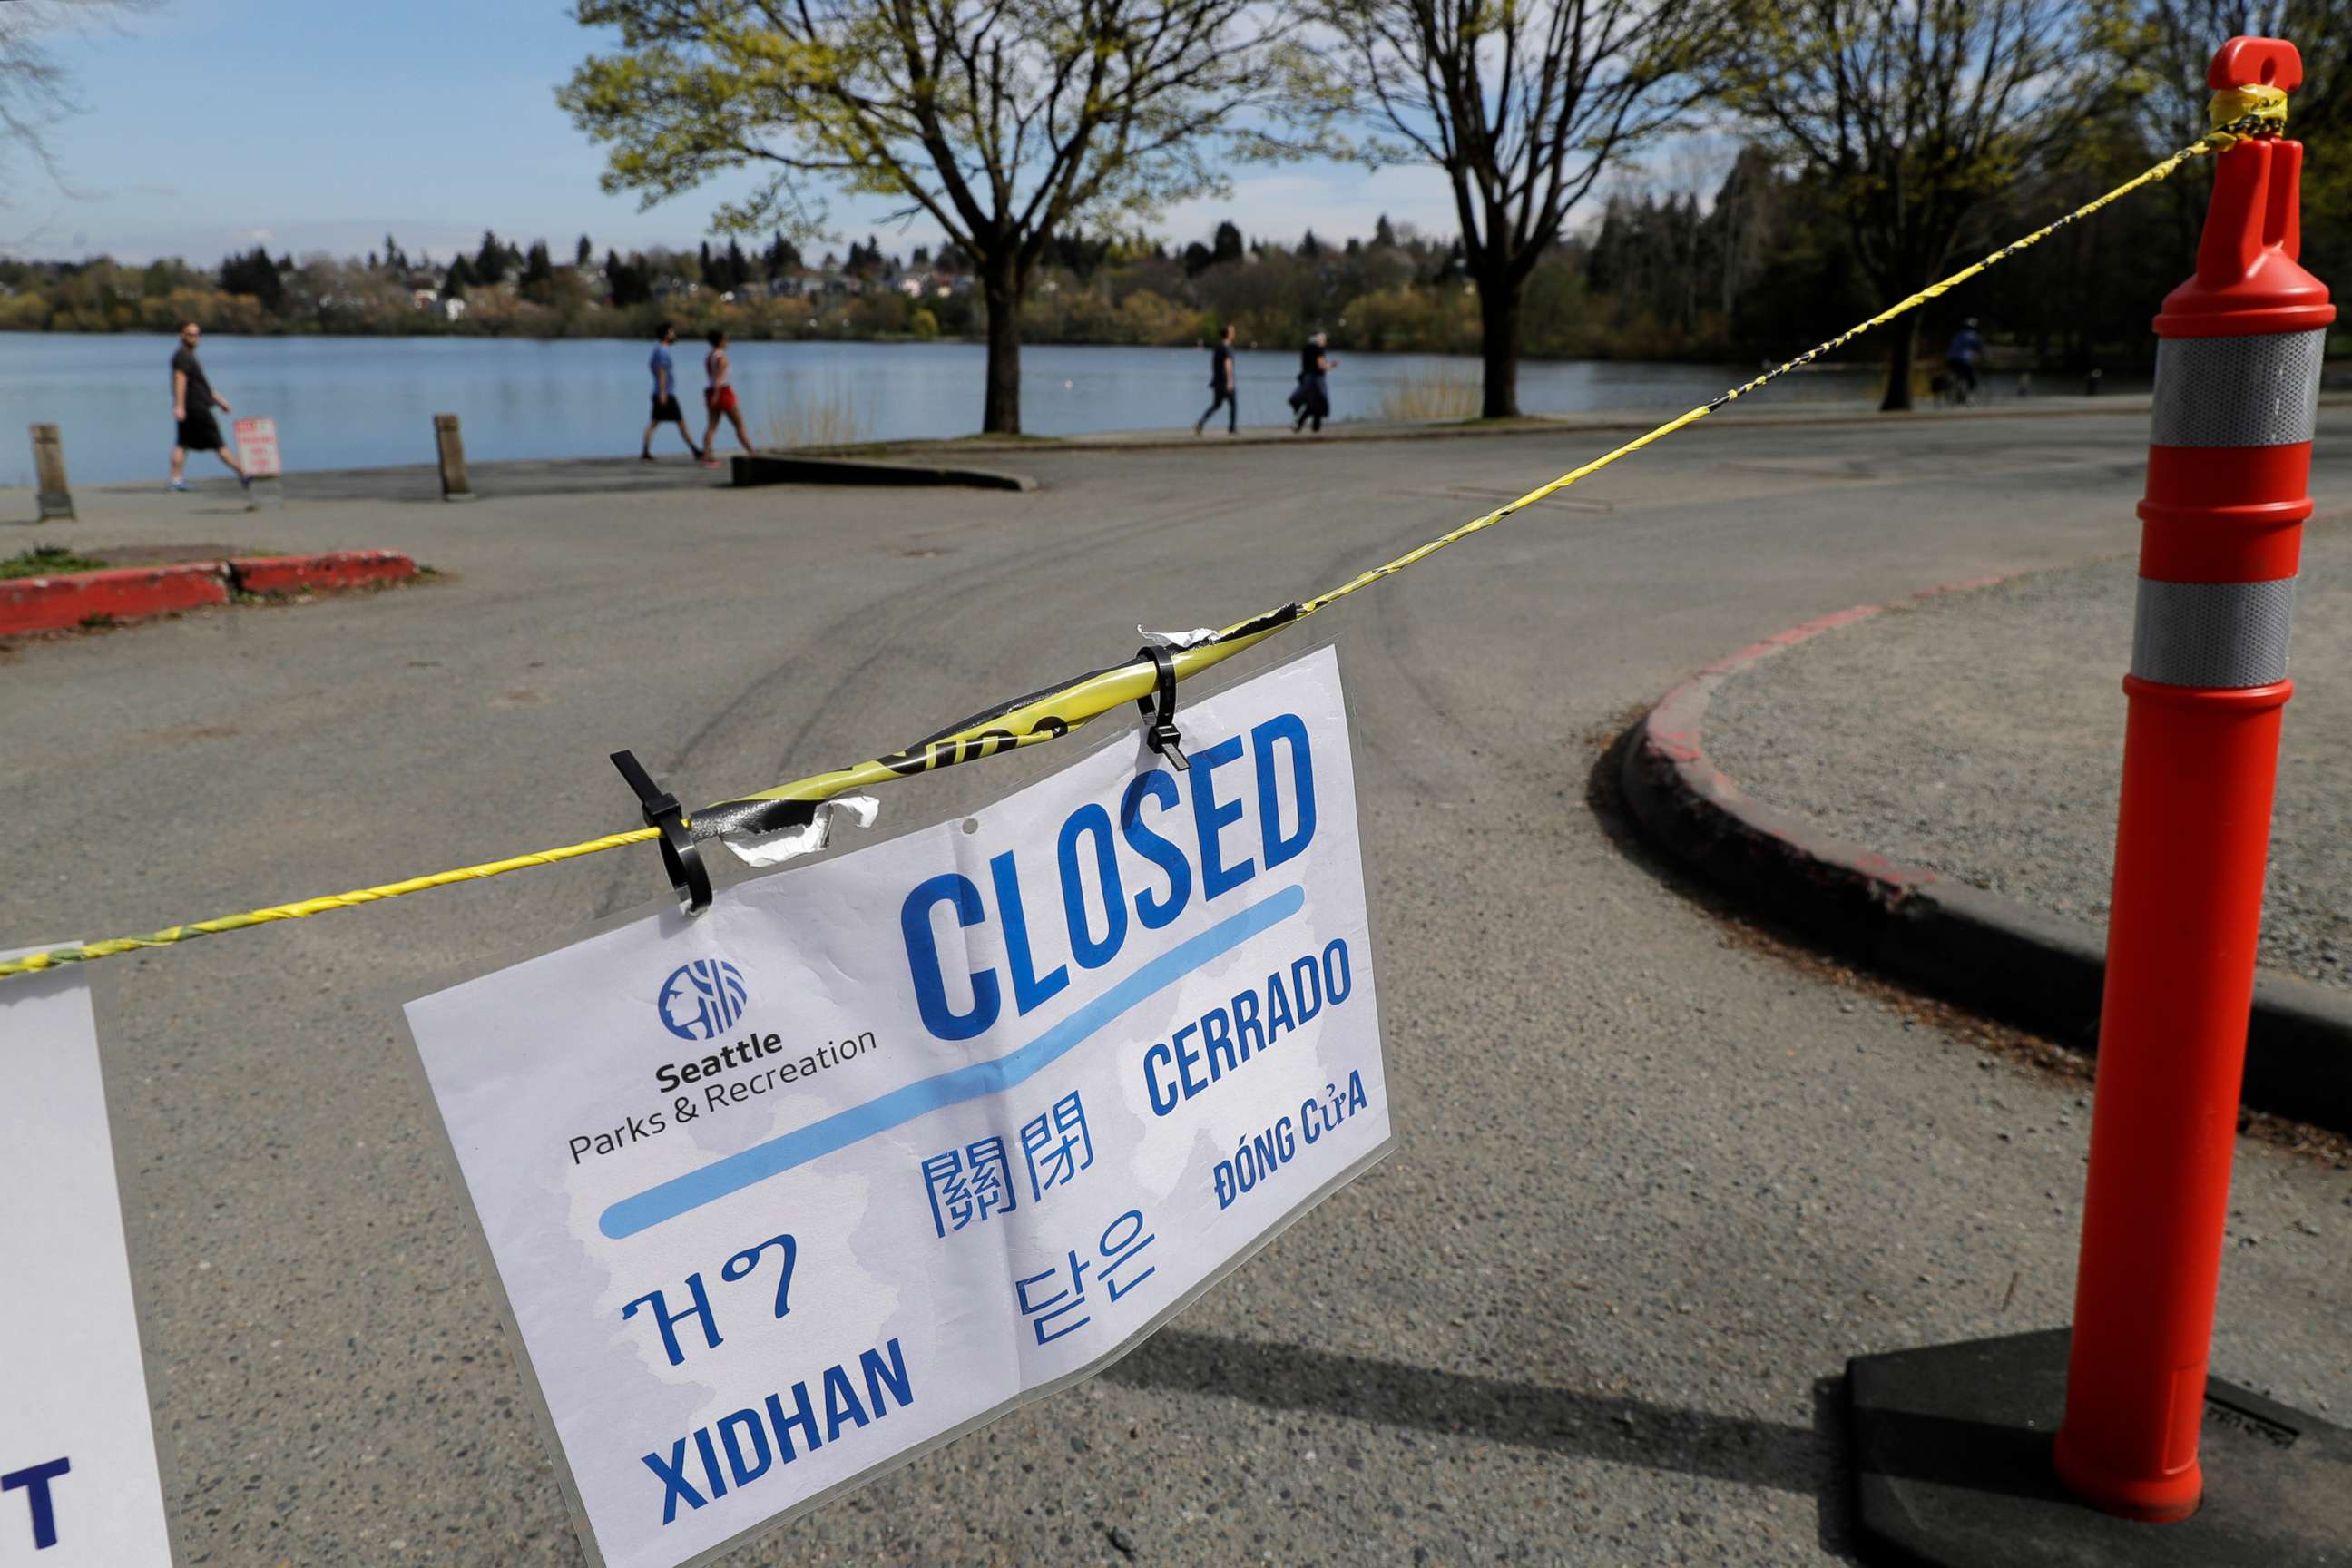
2228,465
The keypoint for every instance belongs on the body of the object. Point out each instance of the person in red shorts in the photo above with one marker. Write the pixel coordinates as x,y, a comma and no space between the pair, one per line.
718,399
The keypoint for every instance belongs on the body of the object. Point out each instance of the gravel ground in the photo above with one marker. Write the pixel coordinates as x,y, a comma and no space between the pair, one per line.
1980,734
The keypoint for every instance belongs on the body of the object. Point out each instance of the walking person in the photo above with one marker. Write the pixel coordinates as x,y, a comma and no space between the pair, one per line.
1311,398
193,402
1960,357
718,399
666,408
1221,386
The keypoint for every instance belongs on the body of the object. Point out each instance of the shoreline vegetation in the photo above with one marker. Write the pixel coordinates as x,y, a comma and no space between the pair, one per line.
1758,271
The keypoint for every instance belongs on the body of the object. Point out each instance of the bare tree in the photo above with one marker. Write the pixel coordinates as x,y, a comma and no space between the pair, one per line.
34,91
1524,103
1006,122
1917,111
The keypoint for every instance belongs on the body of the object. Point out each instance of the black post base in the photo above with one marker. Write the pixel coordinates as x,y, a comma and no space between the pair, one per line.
1949,1448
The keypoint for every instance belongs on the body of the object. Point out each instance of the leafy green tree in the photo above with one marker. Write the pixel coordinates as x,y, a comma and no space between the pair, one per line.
1227,245
1916,112
1523,103
1003,120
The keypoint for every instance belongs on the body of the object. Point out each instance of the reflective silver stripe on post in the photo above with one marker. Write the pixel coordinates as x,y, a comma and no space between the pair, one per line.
2237,392
2220,635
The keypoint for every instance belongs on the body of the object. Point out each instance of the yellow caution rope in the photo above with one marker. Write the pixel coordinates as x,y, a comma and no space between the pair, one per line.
1048,716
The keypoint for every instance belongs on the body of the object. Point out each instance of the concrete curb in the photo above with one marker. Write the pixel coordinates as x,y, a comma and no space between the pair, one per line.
771,469
335,569
1613,422
2041,971
136,592
121,593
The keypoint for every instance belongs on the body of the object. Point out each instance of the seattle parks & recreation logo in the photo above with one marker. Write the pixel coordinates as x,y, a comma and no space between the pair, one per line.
701,1000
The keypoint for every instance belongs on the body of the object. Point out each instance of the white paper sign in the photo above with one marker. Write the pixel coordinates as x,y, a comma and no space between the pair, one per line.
78,1482
872,1152
257,449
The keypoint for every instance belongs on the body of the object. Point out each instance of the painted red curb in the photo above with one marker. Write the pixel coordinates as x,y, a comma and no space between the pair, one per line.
1669,738
335,569
129,592
124,593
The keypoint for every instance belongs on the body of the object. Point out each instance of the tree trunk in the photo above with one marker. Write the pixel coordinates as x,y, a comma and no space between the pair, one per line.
1001,290
1902,347
1499,345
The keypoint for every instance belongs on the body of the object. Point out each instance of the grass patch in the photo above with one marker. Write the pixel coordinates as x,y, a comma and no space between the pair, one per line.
47,561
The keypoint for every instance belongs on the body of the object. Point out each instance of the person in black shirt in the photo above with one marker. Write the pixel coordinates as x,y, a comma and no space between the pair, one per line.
1221,386
1311,399
193,402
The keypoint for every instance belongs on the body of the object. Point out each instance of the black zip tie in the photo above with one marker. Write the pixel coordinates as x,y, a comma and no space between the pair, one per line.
681,857
1161,734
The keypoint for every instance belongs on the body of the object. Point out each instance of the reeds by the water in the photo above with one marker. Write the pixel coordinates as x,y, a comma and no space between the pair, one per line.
1444,392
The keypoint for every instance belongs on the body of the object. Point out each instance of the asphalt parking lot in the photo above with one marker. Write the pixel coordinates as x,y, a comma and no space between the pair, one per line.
1656,1180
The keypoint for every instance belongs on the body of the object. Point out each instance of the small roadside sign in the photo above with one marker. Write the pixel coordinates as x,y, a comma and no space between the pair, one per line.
256,448
79,1483
872,1152
257,454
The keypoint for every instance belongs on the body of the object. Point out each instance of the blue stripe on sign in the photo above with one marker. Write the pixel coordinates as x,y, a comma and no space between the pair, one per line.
746,1167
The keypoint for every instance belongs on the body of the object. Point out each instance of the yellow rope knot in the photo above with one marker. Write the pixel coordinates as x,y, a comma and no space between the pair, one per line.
2242,113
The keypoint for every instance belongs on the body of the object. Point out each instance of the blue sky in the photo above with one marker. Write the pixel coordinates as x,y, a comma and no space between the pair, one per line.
321,124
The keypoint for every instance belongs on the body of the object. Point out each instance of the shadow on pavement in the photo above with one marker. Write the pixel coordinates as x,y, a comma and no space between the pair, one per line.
1617,1430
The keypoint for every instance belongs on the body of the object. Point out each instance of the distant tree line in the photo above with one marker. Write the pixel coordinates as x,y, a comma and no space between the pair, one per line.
1770,233
1895,135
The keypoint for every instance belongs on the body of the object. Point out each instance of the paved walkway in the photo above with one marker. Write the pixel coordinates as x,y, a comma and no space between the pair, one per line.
1980,734
673,471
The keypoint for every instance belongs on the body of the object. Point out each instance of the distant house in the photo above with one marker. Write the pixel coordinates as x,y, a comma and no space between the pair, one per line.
424,299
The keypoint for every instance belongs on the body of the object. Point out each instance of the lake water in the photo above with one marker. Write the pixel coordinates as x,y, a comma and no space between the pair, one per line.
343,403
